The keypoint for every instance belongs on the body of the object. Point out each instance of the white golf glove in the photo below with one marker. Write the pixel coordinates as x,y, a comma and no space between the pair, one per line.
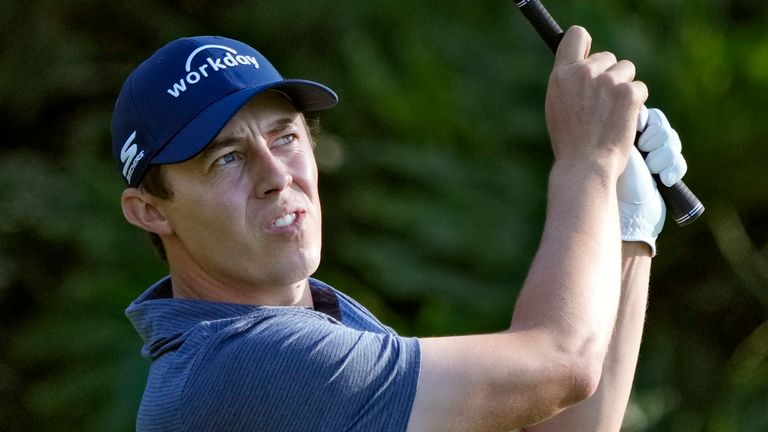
641,209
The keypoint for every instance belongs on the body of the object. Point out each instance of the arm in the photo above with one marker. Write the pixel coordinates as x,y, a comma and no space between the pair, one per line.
552,355
642,214
604,411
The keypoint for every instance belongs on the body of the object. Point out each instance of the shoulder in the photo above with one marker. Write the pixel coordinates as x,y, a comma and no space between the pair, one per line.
282,365
349,311
275,338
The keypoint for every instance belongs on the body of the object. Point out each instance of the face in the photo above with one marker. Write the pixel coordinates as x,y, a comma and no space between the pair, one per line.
245,212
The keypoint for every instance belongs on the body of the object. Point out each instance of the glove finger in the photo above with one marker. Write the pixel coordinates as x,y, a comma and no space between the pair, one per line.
635,185
657,131
674,142
675,172
664,155
642,119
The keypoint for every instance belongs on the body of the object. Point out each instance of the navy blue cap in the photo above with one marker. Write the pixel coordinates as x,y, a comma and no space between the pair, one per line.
176,102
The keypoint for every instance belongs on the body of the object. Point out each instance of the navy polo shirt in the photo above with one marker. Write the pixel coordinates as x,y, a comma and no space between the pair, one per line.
230,367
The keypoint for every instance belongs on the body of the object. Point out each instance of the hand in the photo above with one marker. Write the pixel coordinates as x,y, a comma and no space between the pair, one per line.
641,209
592,105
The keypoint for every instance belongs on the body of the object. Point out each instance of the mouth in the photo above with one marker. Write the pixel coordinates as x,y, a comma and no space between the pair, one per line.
288,222
285,220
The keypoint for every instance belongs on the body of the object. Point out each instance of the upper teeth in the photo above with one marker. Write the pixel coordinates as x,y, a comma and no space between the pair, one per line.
285,220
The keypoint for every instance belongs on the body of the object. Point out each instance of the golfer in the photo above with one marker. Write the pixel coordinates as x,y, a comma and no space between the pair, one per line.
219,168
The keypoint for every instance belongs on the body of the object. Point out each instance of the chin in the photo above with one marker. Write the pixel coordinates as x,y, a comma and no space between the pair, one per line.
297,269
311,263
310,257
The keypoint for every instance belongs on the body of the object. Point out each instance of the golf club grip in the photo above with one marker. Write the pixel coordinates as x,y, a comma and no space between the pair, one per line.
681,203
542,22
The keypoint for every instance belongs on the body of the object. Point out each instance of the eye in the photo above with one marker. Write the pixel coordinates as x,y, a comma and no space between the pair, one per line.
286,139
227,159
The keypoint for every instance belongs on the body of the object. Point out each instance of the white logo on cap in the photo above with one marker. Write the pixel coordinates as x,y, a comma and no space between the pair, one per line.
230,59
129,158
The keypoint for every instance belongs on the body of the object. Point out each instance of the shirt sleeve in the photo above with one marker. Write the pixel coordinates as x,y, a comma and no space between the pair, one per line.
296,371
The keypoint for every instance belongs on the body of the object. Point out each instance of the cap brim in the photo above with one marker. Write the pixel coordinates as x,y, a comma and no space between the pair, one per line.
306,96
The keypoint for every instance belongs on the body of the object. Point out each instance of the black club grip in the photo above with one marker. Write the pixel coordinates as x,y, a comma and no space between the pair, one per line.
681,203
542,22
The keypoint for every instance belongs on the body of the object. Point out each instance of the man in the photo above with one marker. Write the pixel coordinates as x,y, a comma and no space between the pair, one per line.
218,162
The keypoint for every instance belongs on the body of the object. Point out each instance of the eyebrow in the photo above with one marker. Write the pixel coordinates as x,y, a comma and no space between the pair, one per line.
217,144
281,124
277,126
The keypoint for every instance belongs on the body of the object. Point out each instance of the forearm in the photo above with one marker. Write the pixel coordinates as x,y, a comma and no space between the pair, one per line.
552,355
604,411
572,290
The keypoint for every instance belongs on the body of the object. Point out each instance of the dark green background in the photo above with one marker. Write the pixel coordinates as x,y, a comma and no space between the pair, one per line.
433,178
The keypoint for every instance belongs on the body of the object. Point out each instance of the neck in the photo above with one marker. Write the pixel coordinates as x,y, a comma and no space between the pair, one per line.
189,280
204,288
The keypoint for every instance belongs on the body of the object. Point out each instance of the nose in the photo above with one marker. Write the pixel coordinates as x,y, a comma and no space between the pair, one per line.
271,175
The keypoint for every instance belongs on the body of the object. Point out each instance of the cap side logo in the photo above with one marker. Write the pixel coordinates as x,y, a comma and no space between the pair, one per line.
211,64
129,156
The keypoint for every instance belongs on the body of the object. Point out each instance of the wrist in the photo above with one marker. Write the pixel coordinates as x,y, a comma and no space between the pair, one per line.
636,249
608,159
582,199
581,175
637,231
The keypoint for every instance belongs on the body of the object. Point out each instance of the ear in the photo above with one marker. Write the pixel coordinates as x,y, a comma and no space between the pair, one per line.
142,209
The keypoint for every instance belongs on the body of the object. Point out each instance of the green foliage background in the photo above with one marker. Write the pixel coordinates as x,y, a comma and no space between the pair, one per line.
433,180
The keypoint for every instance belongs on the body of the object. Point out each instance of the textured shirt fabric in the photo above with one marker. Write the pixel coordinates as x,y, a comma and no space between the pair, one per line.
231,367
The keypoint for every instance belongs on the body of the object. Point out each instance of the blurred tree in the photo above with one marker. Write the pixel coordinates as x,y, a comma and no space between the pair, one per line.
433,180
